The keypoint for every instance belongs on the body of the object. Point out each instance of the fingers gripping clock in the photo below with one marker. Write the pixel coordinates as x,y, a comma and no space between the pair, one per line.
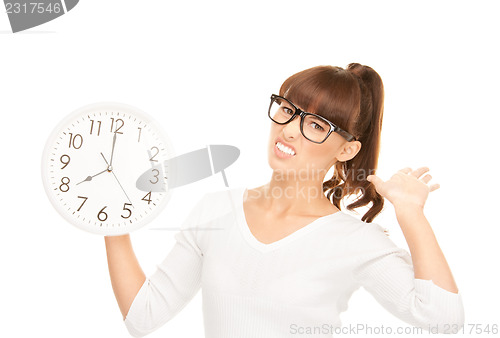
91,163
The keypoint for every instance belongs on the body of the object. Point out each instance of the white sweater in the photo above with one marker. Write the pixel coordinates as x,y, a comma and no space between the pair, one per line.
252,289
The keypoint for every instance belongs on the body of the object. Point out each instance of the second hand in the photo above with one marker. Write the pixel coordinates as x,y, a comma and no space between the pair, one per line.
110,169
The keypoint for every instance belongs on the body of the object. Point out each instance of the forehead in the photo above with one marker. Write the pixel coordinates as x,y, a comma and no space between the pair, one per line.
290,102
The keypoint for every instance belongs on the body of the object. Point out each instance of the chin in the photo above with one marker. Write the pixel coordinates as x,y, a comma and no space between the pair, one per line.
277,163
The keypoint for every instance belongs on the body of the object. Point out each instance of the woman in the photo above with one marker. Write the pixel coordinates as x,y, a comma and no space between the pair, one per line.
284,259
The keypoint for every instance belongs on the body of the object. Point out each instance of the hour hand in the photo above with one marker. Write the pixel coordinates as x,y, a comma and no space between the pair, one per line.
89,178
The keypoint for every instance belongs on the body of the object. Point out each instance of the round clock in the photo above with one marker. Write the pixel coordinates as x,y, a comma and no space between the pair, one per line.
102,168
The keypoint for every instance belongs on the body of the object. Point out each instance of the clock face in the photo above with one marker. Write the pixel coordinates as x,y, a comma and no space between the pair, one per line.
91,166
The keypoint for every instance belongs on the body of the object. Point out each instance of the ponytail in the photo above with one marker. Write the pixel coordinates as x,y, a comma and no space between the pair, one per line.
350,176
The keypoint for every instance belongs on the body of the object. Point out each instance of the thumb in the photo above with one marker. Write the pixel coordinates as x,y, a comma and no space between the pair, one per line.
374,179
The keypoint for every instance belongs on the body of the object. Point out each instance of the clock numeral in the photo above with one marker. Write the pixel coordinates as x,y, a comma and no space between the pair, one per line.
152,157
92,127
64,185
147,198
63,161
117,122
103,214
85,200
139,138
76,141
155,176
129,211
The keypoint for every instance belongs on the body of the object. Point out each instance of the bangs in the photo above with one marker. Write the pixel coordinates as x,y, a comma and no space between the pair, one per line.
330,92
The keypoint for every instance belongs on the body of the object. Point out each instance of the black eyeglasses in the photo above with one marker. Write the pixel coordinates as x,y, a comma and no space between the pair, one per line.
315,128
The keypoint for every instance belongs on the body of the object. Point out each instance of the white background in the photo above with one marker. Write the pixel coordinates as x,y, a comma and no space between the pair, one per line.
211,66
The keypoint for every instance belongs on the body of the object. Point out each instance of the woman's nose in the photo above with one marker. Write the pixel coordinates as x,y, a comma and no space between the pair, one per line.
291,130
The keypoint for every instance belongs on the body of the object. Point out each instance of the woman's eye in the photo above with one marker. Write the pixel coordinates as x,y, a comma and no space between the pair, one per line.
317,126
288,110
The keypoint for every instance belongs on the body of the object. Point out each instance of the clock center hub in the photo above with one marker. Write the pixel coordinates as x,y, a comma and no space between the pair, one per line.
110,168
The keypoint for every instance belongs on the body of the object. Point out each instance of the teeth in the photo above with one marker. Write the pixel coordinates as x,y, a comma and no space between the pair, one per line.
285,149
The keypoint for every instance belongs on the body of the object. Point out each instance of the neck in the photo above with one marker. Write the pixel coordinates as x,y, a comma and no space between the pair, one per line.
287,193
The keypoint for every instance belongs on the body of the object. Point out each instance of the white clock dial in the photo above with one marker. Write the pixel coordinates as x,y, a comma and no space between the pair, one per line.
91,164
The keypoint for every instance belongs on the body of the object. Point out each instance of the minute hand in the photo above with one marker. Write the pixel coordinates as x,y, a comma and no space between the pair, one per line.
112,150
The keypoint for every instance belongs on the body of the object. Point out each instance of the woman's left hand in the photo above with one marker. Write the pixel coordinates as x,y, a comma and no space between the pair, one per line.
405,188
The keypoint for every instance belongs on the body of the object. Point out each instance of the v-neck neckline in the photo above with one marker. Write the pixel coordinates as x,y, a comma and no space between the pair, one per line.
266,247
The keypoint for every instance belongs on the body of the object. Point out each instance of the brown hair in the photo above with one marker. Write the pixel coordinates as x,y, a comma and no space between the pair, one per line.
352,99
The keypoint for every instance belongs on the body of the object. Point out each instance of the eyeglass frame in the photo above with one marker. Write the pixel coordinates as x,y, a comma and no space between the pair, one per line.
333,128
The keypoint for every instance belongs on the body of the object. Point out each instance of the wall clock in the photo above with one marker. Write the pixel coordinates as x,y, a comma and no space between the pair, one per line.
91,164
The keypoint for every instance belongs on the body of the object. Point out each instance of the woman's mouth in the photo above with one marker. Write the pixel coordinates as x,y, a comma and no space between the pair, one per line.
283,151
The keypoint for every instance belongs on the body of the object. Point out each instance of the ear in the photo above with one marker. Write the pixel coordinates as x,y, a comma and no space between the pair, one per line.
349,150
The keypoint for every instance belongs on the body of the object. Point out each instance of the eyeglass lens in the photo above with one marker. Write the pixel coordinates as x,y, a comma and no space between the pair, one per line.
314,128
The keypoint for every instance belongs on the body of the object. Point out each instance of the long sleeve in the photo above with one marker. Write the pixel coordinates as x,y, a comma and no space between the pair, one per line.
175,282
386,272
